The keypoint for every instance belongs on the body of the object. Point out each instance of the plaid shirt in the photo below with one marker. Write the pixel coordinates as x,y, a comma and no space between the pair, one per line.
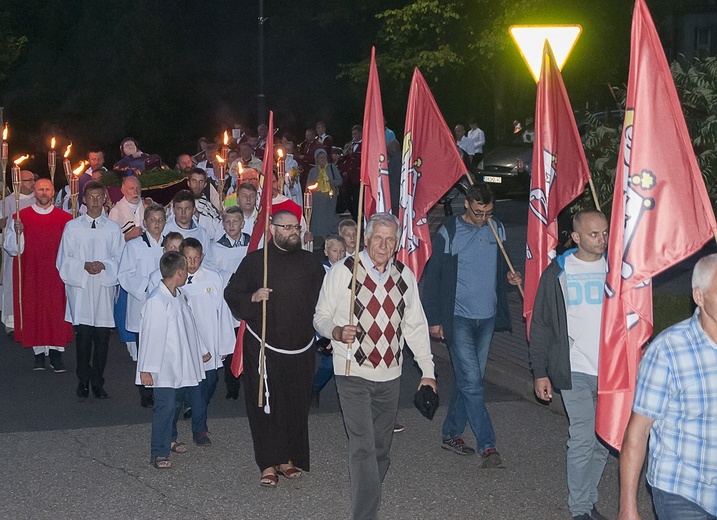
677,387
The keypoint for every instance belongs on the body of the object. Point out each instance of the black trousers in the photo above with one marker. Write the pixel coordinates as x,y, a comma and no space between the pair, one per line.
92,346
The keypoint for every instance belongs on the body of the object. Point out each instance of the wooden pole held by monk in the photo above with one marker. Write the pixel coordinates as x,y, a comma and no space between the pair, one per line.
354,272
262,359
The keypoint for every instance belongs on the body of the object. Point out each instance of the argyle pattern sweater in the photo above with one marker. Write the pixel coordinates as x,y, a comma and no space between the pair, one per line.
388,312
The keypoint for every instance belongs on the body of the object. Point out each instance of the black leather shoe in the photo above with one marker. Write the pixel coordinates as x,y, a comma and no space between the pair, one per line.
99,392
83,389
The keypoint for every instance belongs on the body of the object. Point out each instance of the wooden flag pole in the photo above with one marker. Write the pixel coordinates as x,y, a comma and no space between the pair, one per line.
592,190
353,274
19,257
262,359
500,243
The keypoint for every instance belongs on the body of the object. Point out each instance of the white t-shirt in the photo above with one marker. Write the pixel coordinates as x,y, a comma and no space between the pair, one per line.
585,283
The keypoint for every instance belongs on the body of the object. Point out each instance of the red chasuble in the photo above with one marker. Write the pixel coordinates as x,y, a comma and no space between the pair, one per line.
43,293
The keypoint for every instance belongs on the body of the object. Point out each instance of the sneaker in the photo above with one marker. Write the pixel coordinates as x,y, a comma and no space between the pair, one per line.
456,445
39,362
491,458
202,439
398,428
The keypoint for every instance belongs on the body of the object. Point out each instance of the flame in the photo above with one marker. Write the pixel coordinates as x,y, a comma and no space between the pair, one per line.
5,131
280,152
67,152
21,160
52,143
219,159
226,138
241,170
80,168
313,186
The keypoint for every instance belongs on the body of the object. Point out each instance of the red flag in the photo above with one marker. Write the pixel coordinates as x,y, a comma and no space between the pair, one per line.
559,174
265,197
661,215
374,160
431,165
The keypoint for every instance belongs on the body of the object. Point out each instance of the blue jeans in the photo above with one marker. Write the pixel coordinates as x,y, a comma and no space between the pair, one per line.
469,355
586,454
669,506
206,390
324,373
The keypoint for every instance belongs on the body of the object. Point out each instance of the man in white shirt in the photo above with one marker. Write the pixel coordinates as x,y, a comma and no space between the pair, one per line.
476,135
183,222
564,352
128,213
88,261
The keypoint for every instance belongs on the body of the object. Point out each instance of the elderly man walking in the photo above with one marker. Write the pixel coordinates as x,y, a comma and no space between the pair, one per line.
388,312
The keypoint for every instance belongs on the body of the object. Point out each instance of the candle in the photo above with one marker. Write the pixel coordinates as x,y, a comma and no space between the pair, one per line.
74,181
281,170
225,148
66,163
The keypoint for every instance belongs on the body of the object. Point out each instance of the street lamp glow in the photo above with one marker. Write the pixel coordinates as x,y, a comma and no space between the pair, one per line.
530,39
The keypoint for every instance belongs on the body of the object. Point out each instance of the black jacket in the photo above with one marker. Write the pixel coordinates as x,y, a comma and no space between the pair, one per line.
549,351
440,279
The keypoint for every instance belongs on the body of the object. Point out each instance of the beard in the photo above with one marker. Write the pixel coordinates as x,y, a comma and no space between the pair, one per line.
291,243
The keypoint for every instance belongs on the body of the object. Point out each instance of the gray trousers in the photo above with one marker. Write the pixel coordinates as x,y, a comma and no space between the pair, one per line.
369,410
586,454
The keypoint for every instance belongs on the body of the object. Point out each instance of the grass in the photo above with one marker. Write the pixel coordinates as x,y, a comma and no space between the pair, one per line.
668,309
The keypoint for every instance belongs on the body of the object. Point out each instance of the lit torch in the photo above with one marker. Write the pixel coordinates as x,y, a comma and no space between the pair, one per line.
221,173
3,153
225,148
75,186
52,160
281,170
308,207
16,180
67,167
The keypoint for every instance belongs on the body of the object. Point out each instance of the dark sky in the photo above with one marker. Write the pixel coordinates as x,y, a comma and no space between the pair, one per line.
167,73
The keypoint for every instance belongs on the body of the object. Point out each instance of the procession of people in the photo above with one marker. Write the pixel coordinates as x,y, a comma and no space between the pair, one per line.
193,301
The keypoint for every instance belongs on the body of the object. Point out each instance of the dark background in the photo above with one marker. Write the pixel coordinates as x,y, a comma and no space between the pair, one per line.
167,73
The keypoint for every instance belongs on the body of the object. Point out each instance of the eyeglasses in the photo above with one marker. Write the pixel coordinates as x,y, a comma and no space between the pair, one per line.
482,214
296,227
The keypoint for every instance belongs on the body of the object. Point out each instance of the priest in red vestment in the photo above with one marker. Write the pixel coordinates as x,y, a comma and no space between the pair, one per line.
40,323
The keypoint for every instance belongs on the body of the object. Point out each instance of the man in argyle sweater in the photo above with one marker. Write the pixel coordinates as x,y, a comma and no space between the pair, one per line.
387,312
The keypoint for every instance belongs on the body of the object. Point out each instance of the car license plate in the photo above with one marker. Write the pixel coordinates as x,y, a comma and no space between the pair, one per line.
490,178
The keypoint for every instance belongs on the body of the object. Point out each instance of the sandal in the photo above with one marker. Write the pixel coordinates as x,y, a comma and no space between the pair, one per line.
289,472
161,462
269,480
178,447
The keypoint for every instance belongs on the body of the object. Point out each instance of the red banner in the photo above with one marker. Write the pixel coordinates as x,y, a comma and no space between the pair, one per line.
374,161
431,166
661,214
265,197
559,174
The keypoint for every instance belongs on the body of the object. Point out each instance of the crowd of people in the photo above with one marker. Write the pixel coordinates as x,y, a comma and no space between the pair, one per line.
182,288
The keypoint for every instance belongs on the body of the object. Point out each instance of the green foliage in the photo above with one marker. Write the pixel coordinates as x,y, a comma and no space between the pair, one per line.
149,179
11,48
417,35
